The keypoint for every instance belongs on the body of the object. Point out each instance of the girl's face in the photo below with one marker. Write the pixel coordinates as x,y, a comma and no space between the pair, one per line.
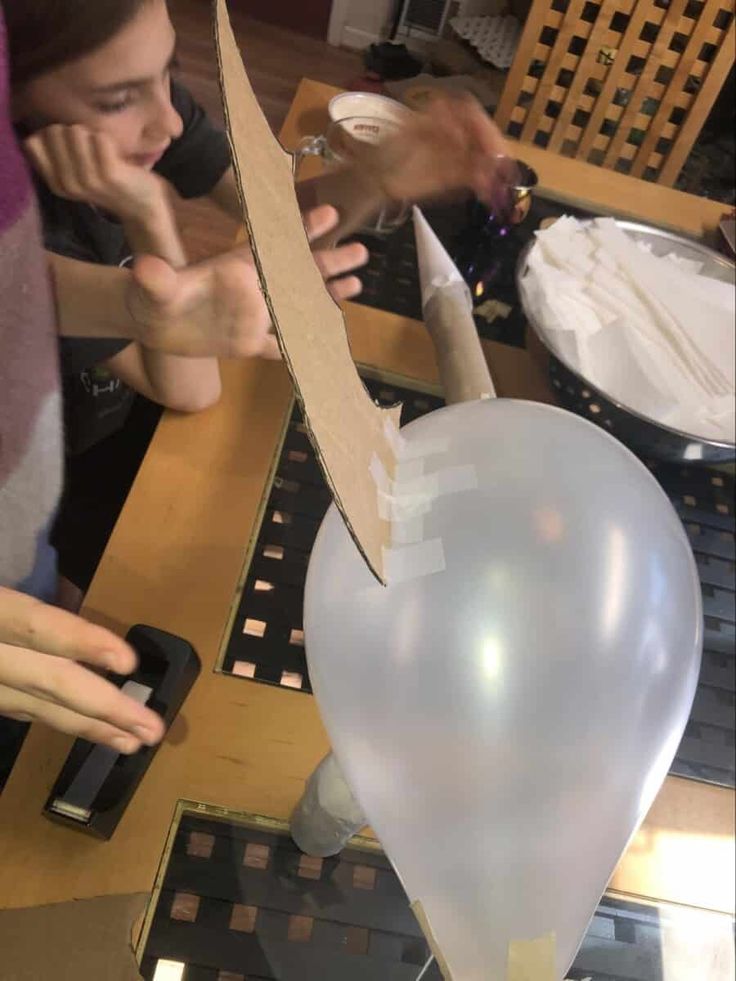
122,89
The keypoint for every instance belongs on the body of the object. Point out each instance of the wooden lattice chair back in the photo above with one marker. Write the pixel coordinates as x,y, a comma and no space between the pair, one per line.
625,84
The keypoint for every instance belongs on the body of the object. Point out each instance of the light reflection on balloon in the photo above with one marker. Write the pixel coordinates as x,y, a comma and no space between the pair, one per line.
618,582
492,660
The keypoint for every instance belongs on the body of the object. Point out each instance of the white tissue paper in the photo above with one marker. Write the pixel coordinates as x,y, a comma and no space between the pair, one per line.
650,331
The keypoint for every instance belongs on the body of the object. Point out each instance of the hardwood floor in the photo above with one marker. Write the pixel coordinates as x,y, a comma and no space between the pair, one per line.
276,60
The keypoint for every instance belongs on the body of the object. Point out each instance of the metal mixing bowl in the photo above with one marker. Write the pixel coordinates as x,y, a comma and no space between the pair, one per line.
642,434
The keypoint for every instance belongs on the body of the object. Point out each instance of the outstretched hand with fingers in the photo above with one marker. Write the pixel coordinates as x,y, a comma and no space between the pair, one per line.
43,678
451,145
216,306
336,263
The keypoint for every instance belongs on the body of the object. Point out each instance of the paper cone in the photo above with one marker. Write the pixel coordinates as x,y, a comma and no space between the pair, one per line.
448,314
436,268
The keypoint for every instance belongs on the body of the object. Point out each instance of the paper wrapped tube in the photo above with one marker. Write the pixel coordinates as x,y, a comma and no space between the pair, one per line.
448,315
462,365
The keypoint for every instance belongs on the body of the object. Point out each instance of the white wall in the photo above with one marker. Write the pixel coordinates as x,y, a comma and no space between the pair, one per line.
358,23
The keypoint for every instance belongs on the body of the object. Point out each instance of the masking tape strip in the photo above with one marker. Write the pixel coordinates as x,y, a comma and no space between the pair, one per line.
405,449
405,500
532,960
418,911
380,475
411,481
425,447
408,532
413,561
408,470
410,498
395,440
404,508
428,485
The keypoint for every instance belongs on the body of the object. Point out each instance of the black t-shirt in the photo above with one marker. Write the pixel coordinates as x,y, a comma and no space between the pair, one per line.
96,403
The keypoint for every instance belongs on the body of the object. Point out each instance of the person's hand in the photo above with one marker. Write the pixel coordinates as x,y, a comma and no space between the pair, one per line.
451,145
210,308
84,165
335,263
42,679
215,307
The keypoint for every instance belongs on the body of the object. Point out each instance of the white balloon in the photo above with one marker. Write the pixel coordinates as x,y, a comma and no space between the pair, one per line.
506,723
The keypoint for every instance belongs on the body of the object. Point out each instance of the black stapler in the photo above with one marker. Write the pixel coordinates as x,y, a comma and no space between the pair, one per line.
96,783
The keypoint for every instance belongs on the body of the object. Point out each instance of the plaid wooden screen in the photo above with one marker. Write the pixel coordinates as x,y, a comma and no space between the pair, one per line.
625,84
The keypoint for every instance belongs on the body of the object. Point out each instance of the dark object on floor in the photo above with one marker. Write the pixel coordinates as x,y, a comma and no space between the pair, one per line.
391,61
96,783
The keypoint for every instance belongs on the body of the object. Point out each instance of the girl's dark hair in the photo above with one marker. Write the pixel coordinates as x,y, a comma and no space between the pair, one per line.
45,34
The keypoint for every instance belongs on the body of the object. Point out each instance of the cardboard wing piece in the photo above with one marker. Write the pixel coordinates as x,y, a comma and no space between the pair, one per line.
344,424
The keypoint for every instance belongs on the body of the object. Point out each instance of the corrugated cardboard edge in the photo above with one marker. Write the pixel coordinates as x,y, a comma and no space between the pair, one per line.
418,911
374,532
532,960
74,941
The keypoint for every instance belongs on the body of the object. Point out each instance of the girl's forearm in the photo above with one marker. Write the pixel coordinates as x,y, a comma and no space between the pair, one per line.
186,384
92,300
155,232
